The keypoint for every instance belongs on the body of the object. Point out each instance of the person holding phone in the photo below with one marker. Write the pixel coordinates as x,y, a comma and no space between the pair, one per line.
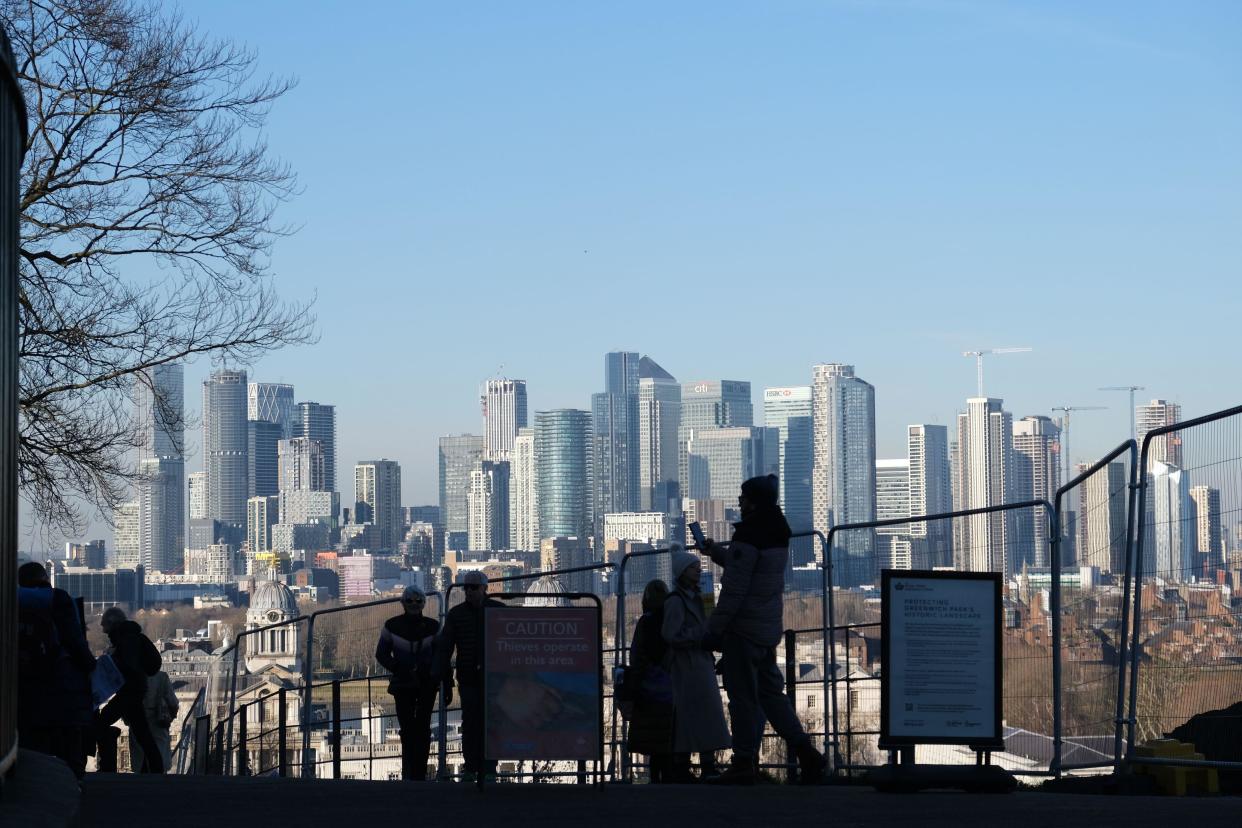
746,626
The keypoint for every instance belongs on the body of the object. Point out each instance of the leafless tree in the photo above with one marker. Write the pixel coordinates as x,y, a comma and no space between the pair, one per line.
147,217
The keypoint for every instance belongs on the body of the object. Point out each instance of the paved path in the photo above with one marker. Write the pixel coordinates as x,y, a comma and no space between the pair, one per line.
205,801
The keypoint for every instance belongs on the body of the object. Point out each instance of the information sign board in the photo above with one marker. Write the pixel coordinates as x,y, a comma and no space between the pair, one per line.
941,643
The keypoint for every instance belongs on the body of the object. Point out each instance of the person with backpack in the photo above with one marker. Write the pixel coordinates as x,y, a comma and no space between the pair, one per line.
406,649
138,660
54,665
699,724
646,693
160,705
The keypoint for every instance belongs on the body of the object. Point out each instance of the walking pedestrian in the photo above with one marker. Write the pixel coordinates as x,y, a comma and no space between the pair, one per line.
747,624
160,705
698,717
463,634
137,660
405,649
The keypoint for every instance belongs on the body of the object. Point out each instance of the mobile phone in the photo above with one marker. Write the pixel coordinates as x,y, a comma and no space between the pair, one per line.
696,532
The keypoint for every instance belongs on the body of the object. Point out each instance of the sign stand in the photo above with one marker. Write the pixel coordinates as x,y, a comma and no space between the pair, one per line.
941,678
543,684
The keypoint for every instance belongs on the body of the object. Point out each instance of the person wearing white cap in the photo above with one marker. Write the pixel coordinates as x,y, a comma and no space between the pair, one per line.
699,724
463,633
406,649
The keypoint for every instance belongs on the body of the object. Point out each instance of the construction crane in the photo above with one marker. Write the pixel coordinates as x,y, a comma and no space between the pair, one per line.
1065,425
1131,389
979,355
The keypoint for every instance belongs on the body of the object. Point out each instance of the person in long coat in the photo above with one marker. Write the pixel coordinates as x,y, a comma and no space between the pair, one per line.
699,724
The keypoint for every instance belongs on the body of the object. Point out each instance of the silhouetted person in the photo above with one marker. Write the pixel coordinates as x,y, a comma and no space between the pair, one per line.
699,724
160,706
132,652
405,649
54,705
463,633
648,688
747,624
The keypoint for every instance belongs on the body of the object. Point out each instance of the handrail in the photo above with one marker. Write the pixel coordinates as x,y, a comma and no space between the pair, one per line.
185,741
308,666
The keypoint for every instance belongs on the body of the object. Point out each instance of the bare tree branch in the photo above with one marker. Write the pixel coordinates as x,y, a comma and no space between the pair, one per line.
148,199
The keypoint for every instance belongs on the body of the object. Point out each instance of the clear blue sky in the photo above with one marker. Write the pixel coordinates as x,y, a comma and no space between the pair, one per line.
743,189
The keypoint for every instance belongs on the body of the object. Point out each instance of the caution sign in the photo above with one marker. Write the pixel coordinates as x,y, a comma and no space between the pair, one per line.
542,683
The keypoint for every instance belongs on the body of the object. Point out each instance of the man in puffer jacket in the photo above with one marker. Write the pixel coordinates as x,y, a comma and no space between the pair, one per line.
405,649
746,626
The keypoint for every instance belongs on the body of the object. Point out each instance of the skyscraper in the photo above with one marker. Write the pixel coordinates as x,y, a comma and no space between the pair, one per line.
614,419
263,457
1155,414
377,499
563,473
892,501
985,447
318,422
843,474
125,536
721,459
789,411
197,485
659,417
523,494
1169,536
487,505
225,457
1209,539
261,515
931,493
504,413
710,404
457,458
160,401
301,465
1102,517
1036,475
272,402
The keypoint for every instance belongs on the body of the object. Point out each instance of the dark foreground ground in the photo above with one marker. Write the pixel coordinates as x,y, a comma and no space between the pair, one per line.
45,794
110,800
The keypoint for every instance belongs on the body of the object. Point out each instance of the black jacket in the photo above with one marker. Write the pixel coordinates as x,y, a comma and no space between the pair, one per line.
463,631
63,696
403,651
127,645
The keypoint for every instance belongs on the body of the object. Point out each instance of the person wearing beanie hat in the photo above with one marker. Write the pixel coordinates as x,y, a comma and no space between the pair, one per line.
699,724
746,626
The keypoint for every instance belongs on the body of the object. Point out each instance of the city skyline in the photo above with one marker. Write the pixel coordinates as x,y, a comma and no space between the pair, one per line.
925,193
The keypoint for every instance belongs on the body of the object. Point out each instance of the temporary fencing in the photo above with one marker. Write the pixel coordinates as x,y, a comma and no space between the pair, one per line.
1186,654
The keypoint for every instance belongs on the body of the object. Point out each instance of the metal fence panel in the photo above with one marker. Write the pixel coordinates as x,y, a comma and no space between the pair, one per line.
1015,539
1187,650
1093,594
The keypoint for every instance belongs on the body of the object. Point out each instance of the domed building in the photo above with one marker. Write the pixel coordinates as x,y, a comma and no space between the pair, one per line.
271,602
546,591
